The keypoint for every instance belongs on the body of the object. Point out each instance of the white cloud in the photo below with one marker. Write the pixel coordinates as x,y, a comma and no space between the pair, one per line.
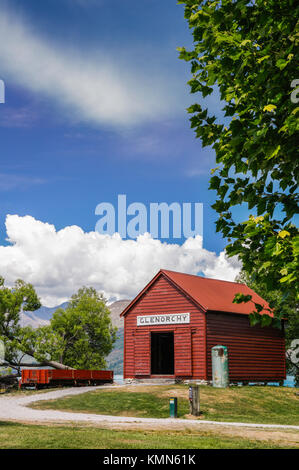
91,86
21,117
9,182
57,263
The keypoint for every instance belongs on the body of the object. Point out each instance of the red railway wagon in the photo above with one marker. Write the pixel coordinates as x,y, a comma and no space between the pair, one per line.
49,377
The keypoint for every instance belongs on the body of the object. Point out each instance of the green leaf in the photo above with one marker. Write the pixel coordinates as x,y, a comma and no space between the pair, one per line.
288,278
266,320
281,63
245,42
240,298
269,107
284,233
261,59
274,153
215,182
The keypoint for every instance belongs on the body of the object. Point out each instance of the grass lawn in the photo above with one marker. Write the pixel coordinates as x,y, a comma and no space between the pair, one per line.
21,436
273,405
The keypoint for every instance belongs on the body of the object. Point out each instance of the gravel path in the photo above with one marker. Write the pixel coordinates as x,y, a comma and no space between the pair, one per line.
15,408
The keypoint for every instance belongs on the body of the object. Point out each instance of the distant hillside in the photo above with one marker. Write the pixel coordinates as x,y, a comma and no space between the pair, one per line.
116,308
115,360
40,317
45,313
116,357
31,319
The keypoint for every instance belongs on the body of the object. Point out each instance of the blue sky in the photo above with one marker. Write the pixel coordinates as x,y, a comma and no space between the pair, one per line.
95,106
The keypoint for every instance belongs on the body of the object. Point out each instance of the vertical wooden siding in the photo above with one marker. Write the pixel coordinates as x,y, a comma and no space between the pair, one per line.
164,297
142,353
254,353
183,352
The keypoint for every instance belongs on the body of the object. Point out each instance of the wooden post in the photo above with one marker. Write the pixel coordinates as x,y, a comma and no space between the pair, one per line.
194,400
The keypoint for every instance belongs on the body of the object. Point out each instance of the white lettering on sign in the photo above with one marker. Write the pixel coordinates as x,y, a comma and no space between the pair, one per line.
165,319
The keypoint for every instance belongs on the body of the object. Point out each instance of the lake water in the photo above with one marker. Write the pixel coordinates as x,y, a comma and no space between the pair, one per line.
119,379
289,382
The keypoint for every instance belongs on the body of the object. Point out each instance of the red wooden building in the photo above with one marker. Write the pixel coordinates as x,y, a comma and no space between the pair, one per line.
172,324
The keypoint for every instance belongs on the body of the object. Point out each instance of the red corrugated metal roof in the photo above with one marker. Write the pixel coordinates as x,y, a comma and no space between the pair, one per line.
210,294
214,294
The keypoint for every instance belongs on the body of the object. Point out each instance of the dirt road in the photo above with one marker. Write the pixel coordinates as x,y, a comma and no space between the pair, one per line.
15,408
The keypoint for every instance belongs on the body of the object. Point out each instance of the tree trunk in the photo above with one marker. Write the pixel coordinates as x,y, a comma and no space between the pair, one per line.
57,365
54,364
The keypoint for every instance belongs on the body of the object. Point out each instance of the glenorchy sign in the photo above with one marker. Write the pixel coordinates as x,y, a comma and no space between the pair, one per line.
165,319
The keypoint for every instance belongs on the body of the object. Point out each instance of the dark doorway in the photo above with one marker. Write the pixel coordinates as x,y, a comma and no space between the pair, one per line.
162,353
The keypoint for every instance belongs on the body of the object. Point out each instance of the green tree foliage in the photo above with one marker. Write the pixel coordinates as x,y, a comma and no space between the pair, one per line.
82,335
290,313
249,50
21,297
276,302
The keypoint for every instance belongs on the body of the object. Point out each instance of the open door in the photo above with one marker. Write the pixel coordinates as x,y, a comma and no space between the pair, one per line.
162,353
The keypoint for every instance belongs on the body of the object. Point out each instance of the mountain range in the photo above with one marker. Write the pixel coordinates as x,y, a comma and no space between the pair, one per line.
40,317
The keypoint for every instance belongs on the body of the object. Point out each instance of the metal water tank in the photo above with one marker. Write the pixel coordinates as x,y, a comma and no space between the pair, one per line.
220,366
